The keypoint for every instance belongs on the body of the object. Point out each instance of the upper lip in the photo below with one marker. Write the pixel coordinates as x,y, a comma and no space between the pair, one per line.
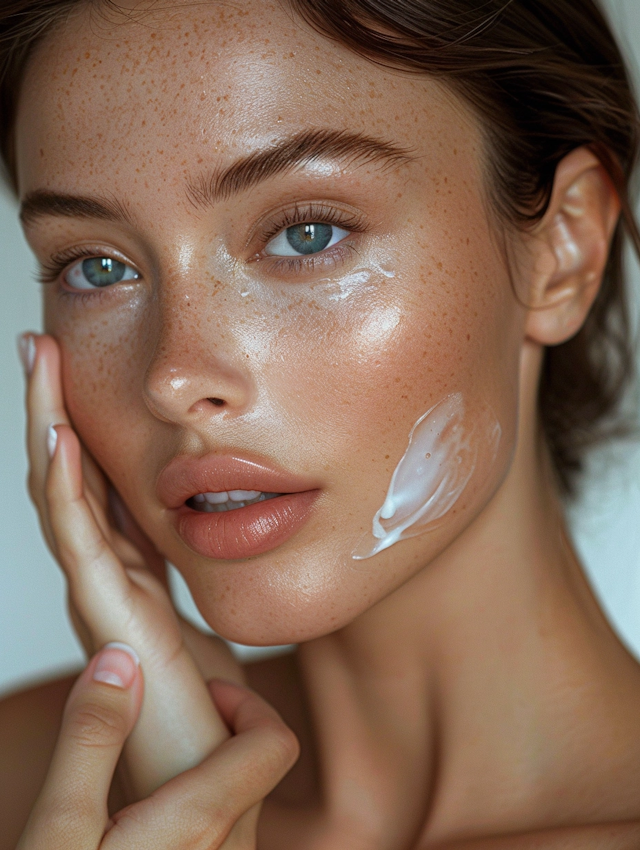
185,476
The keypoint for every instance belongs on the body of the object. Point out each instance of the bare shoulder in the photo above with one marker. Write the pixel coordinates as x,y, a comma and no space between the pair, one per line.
611,836
29,725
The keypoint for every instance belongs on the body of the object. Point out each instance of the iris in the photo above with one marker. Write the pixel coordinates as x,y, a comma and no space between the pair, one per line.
309,238
103,271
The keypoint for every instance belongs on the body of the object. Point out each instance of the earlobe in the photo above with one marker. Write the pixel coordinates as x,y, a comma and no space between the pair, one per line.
569,248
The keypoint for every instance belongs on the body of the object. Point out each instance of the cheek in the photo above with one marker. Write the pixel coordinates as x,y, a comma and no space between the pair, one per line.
358,384
358,379
99,373
448,451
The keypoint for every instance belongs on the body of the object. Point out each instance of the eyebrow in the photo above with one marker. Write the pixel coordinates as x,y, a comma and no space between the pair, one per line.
44,203
304,148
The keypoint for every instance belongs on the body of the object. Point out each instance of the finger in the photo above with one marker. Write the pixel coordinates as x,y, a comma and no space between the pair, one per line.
71,811
45,405
98,583
45,402
202,806
128,604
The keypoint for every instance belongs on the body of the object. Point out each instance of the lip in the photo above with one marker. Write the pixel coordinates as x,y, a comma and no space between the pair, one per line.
243,532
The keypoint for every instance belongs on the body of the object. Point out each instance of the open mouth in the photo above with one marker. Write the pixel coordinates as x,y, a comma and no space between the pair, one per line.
228,500
213,525
231,507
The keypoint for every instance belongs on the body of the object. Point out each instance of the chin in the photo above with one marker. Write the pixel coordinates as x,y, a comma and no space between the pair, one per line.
298,593
289,595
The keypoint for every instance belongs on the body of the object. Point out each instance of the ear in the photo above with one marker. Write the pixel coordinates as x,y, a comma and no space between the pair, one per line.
569,247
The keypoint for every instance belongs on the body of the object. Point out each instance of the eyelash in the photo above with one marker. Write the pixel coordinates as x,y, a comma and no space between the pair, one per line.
353,221
49,272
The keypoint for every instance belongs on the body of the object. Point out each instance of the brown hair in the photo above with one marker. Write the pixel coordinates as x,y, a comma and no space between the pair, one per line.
544,77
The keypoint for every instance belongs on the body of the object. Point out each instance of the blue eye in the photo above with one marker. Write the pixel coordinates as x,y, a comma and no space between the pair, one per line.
304,239
98,272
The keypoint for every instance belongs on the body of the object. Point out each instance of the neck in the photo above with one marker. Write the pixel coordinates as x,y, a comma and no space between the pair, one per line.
475,691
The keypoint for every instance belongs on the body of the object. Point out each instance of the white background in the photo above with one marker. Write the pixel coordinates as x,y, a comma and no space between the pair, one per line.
35,638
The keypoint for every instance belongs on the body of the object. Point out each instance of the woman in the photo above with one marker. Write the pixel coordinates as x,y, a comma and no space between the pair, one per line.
331,335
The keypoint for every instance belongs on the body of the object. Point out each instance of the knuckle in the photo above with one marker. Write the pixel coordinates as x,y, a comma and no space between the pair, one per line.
210,825
92,725
67,555
284,745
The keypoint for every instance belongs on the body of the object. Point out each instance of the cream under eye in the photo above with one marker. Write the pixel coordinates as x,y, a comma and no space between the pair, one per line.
98,272
304,239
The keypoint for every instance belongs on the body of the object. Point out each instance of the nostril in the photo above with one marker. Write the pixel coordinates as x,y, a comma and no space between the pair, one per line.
219,402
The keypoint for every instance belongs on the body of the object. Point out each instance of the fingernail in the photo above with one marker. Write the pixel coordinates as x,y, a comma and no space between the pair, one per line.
52,440
27,351
117,665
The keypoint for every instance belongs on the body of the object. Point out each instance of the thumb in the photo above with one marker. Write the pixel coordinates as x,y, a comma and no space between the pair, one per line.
71,811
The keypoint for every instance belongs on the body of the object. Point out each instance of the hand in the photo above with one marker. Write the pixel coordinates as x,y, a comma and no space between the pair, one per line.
113,595
214,805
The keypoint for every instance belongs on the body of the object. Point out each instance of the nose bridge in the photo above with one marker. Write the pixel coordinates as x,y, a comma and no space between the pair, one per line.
196,365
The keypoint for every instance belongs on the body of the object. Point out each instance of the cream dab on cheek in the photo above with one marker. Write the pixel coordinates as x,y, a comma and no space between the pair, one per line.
349,284
443,454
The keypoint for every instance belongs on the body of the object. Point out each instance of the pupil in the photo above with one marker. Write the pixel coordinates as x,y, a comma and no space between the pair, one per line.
103,271
309,238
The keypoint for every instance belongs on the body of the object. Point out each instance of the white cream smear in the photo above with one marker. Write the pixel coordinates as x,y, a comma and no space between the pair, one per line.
438,464
349,284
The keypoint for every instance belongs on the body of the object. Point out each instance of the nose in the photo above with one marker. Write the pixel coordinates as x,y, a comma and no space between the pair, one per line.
196,368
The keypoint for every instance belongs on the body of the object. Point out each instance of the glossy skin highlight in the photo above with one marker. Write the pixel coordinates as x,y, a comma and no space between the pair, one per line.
325,384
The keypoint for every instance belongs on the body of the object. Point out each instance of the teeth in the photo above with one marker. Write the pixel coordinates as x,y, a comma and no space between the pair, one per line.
243,495
216,498
228,501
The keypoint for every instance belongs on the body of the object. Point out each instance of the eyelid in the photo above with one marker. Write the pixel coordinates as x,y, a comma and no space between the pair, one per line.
302,212
50,271
275,221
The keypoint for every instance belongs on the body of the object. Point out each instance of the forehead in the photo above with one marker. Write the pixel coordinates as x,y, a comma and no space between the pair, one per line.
192,81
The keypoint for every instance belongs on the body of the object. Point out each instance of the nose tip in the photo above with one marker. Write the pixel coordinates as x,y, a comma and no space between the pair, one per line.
184,388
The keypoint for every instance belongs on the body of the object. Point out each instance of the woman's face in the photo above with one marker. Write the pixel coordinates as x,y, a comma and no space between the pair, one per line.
270,254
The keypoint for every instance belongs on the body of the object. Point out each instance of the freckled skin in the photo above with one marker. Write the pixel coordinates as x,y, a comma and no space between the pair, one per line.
437,675
304,392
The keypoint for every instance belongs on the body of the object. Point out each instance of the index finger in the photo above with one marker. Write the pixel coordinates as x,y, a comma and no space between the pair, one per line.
45,407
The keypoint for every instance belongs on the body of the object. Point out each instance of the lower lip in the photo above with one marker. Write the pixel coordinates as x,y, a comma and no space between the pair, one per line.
245,532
